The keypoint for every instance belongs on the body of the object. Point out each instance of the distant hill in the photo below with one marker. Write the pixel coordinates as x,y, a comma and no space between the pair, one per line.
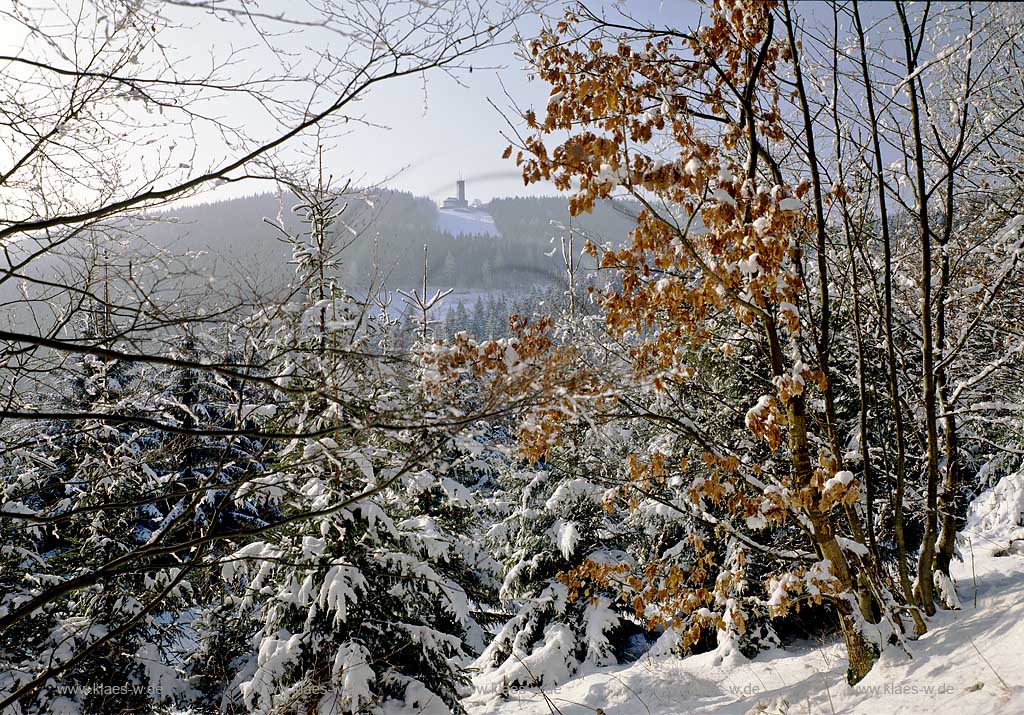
385,232
231,245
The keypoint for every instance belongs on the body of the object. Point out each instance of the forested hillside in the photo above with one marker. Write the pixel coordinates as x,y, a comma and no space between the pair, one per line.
385,231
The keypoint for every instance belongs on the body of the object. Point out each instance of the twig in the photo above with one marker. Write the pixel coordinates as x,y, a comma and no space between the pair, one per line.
982,656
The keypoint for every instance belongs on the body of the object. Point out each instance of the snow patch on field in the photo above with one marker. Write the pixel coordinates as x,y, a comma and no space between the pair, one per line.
971,661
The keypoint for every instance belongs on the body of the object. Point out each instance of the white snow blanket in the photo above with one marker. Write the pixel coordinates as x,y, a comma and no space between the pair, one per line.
466,222
971,661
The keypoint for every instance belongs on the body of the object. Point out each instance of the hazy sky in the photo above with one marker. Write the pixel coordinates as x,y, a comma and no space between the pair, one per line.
425,131
439,128
454,129
436,127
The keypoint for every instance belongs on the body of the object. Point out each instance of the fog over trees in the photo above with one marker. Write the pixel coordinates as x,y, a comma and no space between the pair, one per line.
728,418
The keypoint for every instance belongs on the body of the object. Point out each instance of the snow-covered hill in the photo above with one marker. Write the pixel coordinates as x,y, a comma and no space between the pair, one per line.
971,661
466,222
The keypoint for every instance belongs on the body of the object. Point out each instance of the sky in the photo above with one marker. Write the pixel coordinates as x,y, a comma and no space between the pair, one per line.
421,133
439,127
455,129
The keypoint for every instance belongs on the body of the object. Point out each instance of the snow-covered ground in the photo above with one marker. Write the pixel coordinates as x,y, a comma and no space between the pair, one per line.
466,222
970,662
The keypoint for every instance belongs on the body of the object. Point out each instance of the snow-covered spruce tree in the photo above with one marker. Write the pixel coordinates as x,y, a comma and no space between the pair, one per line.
607,486
551,503
53,470
558,521
64,475
364,592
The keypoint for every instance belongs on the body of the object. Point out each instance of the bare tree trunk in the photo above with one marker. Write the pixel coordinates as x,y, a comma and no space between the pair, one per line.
948,506
948,511
862,396
925,588
823,338
890,346
860,653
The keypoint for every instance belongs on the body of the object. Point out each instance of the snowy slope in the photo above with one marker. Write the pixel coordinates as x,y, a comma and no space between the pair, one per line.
970,662
466,222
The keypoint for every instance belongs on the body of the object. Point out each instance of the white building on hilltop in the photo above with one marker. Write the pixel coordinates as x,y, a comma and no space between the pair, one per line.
459,201
458,218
